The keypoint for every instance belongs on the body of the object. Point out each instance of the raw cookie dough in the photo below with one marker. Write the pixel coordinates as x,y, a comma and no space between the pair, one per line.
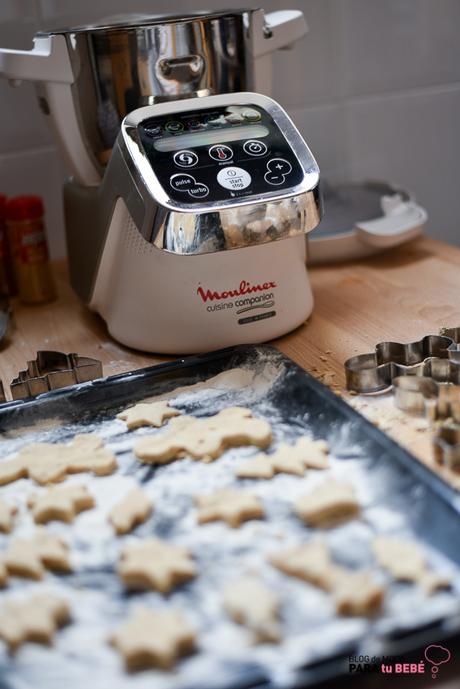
32,557
205,438
253,605
259,466
231,506
3,575
354,592
287,459
156,565
51,462
310,562
148,414
314,453
34,619
153,638
327,505
7,514
131,511
405,561
60,503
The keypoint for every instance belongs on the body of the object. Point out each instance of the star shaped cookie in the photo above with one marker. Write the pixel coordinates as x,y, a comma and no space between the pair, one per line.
287,459
156,565
34,619
60,503
31,558
231,506
147,414
131,511
153,638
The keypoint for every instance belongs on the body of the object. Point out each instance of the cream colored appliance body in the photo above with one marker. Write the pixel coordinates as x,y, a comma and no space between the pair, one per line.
195,238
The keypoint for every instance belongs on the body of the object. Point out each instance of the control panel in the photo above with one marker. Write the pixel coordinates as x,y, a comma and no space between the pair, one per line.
214,155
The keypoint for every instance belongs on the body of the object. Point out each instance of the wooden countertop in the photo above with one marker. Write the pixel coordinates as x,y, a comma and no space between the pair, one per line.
401,295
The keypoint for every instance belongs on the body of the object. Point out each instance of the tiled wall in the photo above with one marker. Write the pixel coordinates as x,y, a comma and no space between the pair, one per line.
375,89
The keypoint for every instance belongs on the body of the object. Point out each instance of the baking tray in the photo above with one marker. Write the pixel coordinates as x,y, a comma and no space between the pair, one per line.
399,496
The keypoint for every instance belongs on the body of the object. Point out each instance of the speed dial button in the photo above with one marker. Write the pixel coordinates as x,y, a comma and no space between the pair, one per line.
185,158
279,166
273,178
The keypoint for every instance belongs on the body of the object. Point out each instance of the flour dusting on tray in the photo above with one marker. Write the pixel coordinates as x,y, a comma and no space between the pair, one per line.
277,391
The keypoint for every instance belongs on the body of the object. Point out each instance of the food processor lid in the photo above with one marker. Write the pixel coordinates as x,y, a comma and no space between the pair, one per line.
364,218
134,20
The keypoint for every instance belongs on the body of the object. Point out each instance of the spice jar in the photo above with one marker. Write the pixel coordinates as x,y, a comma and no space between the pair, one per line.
7,281
26,234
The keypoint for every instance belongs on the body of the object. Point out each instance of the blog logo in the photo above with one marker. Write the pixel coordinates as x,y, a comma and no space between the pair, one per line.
436,655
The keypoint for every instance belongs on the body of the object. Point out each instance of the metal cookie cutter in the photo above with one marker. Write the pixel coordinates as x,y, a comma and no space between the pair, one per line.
422,394
429,357
454,335
54,370
446,446
425,377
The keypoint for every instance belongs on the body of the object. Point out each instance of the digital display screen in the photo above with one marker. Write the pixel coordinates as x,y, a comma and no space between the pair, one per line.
207,138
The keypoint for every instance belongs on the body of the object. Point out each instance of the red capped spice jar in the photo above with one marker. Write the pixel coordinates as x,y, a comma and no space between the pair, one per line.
7,279
26,233
3,248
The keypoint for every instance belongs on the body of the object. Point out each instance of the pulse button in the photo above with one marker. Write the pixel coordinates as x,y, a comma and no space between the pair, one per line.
187,183
182,182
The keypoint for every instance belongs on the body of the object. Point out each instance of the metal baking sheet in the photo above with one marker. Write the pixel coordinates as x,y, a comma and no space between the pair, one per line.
398,495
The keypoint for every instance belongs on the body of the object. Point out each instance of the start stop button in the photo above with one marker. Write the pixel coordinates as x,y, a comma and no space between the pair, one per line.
234,178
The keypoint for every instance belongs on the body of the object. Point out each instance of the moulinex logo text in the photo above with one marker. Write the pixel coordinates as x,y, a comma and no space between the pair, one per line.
244,288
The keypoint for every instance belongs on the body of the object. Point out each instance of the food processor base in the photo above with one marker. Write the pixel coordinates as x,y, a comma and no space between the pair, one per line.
167,303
